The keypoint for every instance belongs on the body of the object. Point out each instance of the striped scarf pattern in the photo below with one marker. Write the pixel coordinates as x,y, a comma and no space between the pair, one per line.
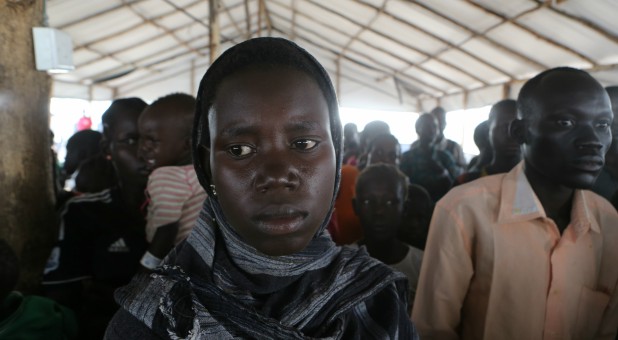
203,292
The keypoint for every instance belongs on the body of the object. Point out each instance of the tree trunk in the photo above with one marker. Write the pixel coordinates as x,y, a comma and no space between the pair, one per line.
26,192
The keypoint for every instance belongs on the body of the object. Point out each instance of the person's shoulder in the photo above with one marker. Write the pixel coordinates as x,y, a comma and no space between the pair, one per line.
453,144
413,258
171,171
445,155
367,269
38,317
171,175
485,188
46,305
90,197
411,151
87,201
467,177
354,246
602,210
349,169
356,258
599,203
97,210
414,252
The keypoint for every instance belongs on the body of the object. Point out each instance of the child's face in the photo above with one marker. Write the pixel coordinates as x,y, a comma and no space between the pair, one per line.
379,204
384,150
123,149
569,131
161,139
272,157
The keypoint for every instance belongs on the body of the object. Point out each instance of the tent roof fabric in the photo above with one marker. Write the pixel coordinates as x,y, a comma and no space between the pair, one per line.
387,54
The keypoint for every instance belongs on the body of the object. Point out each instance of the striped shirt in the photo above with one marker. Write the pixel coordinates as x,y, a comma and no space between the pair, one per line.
175,196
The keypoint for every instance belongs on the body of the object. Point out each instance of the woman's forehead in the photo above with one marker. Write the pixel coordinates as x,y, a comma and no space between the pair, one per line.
282,95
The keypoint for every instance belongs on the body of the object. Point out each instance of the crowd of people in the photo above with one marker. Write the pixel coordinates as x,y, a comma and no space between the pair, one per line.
250,212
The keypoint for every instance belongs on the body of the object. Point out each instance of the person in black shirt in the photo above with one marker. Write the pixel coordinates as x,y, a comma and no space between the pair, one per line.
101,236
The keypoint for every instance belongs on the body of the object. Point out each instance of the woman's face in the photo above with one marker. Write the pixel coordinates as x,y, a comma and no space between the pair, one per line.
272,157
123,139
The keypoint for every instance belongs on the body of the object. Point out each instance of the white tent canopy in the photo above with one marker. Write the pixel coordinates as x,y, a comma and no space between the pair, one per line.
387,54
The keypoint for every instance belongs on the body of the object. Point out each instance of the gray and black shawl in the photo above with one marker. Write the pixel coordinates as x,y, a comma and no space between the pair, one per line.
216,286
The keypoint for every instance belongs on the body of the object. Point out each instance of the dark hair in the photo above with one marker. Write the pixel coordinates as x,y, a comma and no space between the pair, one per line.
438,111
111,114
612,90
372,129
9,269
265,53
95,174
383,172
184,101
350,126
504,105
376,126
184,108
86,139
481,134
527,94
424,117
386,136
80,146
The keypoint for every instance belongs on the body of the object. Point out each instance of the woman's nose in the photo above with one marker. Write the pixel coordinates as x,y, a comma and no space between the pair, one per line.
275,173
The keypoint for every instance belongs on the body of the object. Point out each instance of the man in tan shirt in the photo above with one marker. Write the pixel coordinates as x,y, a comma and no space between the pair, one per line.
530,254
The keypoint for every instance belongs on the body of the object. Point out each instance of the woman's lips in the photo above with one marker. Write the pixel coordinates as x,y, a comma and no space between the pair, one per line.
279,220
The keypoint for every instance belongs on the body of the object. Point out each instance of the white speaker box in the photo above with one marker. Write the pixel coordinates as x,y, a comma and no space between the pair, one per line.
53,50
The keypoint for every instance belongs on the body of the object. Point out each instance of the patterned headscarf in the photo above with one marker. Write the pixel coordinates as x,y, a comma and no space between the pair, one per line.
215,285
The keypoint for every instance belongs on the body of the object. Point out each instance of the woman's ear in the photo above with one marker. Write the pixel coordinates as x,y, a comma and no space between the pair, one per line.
518,131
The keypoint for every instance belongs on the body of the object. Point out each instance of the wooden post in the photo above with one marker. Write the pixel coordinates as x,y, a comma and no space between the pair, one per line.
215,36
260,12
192,78
27,218
506,90
248,19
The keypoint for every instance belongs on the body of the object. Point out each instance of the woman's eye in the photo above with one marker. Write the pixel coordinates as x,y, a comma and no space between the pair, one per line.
603,124
304,144
240,150
564,123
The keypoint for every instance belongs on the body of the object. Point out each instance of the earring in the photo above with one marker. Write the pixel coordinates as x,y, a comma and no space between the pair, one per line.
213,189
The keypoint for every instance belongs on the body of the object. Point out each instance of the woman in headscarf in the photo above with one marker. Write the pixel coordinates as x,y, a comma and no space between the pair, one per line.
260,264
